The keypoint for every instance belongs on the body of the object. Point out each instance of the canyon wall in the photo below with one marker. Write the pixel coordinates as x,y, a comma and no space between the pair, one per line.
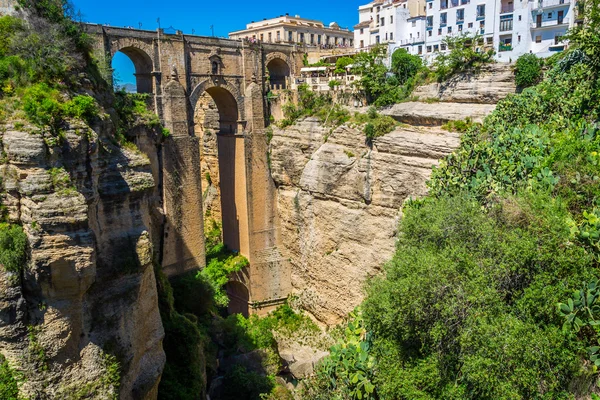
339,203
340,198
90,210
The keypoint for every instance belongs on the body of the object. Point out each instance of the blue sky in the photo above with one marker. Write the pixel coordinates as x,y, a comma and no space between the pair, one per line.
225,16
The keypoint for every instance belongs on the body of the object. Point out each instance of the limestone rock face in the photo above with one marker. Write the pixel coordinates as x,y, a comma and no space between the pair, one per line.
88,290
493,83
432,114
339,204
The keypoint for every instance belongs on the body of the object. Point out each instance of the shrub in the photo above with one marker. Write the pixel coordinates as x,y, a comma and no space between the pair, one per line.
463,56
13,247
342,63
81,107
42,105
9,389
458,126
528,70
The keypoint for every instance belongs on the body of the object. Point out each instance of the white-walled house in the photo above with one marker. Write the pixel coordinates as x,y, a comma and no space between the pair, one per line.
397,23
510,27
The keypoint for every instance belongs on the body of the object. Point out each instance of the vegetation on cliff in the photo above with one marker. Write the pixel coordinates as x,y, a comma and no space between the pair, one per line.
467,308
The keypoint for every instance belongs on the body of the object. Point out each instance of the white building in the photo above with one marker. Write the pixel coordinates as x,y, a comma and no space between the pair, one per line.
398,23
510,27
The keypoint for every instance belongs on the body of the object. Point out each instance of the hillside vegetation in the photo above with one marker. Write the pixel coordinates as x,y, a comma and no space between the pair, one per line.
492,291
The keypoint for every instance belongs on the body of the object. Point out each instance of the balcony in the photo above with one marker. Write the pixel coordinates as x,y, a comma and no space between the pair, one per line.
507,8
505,47
480,17
549,24
545,4
443,24
460,20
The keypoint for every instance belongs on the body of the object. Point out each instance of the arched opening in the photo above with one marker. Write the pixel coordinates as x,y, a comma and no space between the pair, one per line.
223,165
238,298
132,70
279,72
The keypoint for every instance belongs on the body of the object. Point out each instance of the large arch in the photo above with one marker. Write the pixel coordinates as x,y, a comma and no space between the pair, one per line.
229,186
143,67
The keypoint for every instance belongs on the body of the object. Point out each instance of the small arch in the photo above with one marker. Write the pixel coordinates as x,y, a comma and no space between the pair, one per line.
239,298
279,73
143,68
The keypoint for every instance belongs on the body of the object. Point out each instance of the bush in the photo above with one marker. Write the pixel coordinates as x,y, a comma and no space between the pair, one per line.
13,247
467,303
528,70
342,63
42,105
9,388
81,107
463,56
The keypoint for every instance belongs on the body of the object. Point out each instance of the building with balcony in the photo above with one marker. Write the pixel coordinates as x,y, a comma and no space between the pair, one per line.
510,27
296,30
396,23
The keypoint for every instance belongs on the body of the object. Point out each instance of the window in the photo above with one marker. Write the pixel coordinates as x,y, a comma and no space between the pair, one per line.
470,25
270,38
443,46
215,68
318,39
430,21
377,39
436,47
443,4
520,18
362,31
439,31
382,21
489,40
278,36
262,37
362,44
312,38
429,49
460,28
481,11
430,5
290,37
391,19
538,39
443,19
414,23
460,15
449,29
386,36
391,35
429,33
519,38
420,49
302,37
549,15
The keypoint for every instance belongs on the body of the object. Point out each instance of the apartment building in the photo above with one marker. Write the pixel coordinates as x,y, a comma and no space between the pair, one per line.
511,27
397,23
296,30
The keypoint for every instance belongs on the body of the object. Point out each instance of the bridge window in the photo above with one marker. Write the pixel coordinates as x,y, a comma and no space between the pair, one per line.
132,70
215,68
279,73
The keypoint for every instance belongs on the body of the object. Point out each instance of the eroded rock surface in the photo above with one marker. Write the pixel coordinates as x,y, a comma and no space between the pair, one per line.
89,289
339,203
493,83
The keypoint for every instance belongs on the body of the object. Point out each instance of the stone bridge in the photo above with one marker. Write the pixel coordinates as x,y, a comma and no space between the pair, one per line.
180,72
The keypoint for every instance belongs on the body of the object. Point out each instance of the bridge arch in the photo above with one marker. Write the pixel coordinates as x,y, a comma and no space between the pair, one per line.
139,54
223,157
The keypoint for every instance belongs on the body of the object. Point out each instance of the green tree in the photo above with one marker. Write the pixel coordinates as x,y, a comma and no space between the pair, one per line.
342,63
463,56
405,65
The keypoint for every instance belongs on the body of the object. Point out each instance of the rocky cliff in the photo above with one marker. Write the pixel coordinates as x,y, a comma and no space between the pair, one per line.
87,297
340,200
